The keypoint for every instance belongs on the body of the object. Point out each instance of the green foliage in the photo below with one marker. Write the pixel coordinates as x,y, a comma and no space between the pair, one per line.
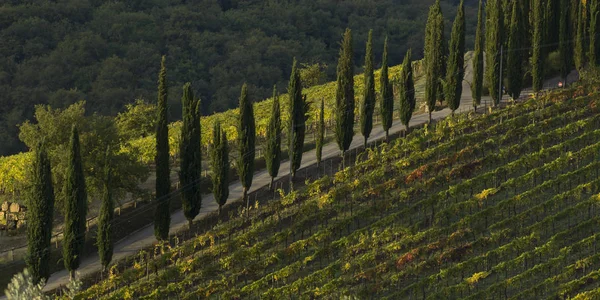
137,121
406,91
565,47
58,53
434,56
97,132
297,115
190,163
494,39
312,74
477,83
73,288
344,96
368,100
246,142
162,213
579,56
23,287
75,206
104,237
273,148
514,68
320,133
220,166
537,59
135,155
40,215
386,95
594,10
456,60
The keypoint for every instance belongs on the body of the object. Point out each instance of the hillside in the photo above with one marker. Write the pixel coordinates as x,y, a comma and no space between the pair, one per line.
478,206
13,177
108,52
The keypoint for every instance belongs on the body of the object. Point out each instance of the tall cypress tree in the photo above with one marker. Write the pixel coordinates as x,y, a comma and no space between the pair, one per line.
537,59
386,93
592,31
552,23
434,56
247,137
456,60
578,55
297,120
344,97
566,54
40,203
190,151
368,103
104,239
220,166
477,83
443,57
273,150
493,42
76,207
406,91
515,59
320,133
162,213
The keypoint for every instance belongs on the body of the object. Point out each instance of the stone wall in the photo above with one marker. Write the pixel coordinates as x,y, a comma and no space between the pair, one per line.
12,216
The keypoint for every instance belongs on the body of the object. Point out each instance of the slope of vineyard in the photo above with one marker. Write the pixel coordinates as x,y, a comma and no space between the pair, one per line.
490,206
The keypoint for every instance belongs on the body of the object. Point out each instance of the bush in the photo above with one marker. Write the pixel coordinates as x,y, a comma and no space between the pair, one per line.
21,287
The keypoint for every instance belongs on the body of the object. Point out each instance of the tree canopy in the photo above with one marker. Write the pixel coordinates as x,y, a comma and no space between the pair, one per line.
105,52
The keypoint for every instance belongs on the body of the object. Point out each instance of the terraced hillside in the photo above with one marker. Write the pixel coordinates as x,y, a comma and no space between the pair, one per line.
503,205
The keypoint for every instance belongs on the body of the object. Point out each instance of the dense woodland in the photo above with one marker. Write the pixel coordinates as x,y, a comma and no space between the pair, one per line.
107,52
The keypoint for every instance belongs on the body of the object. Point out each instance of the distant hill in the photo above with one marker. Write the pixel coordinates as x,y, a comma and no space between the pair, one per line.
108,52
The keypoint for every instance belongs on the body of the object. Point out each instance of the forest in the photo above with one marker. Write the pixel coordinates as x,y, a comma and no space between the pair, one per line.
108,52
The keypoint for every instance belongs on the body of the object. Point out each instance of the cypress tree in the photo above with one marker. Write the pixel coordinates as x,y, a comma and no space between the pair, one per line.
552,23
344,97
368,103
273,150
162,213
297,118
320,133
435,64
76,207
564,47
477,84
407,91
537,59
247,136
456,60
104,239
190,151
592,31
40,204
493,43
514,61
386,94
443,57
579,56
220,166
